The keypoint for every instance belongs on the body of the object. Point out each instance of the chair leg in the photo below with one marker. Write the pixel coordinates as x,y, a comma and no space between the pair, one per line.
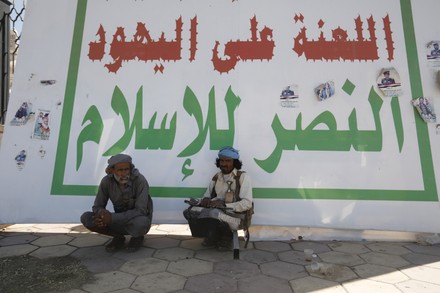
236,244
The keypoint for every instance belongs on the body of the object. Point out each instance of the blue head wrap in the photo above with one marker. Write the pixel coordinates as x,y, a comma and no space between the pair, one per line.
229,152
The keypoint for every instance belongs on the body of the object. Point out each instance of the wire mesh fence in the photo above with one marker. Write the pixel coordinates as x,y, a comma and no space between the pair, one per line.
12,18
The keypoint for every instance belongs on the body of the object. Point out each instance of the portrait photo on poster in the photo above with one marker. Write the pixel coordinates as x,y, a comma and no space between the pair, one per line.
42,125
289,96
325,90
433,53
389,83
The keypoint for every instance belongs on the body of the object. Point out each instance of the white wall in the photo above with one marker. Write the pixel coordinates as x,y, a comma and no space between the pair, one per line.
382,175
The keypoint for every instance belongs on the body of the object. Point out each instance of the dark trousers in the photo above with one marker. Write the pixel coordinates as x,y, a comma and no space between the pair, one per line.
136,227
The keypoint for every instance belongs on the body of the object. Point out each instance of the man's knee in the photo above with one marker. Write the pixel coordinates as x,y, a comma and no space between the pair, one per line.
140,225
87,219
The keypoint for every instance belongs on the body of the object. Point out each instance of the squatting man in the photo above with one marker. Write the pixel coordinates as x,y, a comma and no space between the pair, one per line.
128,190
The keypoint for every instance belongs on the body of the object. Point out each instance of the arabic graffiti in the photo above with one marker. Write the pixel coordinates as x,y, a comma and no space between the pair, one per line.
253,49
309,138
260,46
218,137
162,138
149,138
312,139
342,48
142,47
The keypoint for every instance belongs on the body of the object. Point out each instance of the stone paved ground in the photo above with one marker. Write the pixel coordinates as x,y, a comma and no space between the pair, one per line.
172,261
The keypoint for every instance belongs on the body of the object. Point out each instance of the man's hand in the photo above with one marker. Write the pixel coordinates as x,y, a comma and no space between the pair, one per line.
205,202
217,204
103,218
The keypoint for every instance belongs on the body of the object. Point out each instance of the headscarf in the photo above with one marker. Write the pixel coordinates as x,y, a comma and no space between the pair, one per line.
229,152
120,158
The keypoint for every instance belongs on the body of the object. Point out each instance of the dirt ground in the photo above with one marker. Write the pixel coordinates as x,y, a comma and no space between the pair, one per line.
23,274
27,274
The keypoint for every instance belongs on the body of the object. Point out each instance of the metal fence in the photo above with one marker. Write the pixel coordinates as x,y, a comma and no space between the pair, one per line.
12,16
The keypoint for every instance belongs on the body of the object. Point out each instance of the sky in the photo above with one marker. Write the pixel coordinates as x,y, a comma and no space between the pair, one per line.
18,4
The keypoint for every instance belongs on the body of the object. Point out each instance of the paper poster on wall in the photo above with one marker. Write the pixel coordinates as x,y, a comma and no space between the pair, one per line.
289,96
22,115
433,53
325,90
20,159
388,82
42,127
425,109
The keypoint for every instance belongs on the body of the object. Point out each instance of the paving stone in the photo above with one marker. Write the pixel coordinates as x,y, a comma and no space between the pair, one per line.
316,246
380,273
423,273
236,269
91,252
102,264
52,229
263,284
212,282
214,255
348,247
122,291
257,256
193,243
312,284
332,272
190,267
424,249
423,259
274,246
17,239
369,286
53,251
389,248
78,291
296,257
341,258
161,242
179,237
143,252
75,229
89,240
16,250
173,229
174,254
393,261
184,258
159,282
109,282
283,270
144,266
52,240
414,286
97,260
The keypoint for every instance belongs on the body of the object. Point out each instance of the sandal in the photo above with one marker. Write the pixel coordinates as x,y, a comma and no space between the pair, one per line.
135,243
117,243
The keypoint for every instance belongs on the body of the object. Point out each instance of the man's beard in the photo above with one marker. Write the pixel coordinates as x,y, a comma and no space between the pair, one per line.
121,180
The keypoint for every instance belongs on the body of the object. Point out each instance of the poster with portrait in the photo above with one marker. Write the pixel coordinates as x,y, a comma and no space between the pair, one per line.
42,125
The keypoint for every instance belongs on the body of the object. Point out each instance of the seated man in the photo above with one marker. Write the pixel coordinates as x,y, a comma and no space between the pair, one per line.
128,190
221,209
